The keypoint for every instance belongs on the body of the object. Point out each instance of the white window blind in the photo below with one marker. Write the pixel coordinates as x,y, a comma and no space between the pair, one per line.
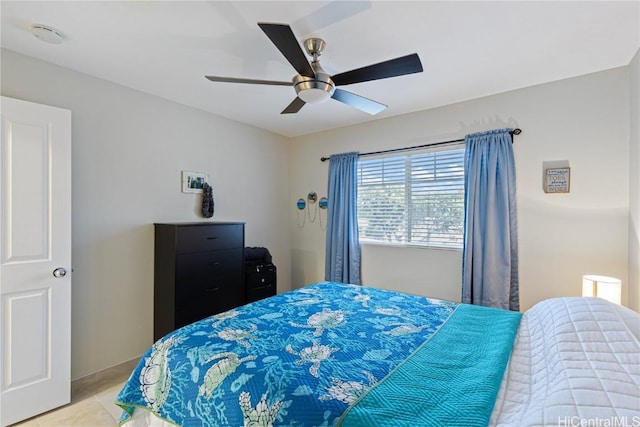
415,199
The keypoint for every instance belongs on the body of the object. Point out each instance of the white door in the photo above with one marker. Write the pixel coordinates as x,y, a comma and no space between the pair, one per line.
35,259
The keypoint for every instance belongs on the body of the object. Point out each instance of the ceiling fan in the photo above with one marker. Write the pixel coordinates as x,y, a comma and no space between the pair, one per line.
313,85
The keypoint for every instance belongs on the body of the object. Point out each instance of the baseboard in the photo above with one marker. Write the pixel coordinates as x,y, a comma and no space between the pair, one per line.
103,379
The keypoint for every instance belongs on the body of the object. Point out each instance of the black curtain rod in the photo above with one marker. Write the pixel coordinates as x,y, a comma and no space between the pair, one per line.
516,131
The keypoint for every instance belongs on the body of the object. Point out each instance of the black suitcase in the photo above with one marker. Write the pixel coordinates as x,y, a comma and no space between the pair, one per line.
260,280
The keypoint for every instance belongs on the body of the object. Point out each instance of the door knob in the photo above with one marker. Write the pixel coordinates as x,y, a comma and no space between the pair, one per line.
59,272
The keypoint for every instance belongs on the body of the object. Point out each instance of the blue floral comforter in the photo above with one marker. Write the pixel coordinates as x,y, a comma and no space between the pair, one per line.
304,358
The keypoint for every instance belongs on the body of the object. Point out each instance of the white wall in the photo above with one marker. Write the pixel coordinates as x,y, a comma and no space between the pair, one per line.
584,120
634,184
129,149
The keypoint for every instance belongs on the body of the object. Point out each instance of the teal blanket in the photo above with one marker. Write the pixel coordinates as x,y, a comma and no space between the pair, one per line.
326,355
451,380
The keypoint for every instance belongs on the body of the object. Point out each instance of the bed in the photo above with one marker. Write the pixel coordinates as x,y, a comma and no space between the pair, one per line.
333,354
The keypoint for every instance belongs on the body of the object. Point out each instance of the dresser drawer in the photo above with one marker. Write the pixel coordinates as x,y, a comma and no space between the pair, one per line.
191,291
209,237
208,264
205,306
225,290
198,309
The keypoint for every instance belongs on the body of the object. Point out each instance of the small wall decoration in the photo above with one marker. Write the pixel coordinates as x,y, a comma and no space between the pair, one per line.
557,180
193,182
301,204
323,204
312,198
312,203
208,204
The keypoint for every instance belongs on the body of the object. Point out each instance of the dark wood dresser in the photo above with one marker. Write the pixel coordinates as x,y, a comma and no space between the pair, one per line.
199,271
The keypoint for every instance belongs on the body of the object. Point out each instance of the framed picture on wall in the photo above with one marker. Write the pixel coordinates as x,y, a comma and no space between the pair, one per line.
557,180
192,182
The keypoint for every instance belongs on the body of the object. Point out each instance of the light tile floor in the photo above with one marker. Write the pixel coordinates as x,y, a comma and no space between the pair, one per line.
91,402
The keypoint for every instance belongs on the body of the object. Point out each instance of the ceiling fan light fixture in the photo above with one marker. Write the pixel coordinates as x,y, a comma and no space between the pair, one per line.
314,95
314,91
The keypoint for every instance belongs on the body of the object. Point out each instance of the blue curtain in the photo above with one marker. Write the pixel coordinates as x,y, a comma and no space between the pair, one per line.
490,251
342,260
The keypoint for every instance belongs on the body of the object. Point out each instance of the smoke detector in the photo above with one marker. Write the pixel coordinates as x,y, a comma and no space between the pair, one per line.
46,33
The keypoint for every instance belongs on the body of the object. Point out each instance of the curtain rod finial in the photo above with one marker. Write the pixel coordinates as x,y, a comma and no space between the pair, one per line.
516,131
324,159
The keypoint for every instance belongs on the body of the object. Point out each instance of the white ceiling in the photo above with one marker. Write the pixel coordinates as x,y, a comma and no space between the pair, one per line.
468,49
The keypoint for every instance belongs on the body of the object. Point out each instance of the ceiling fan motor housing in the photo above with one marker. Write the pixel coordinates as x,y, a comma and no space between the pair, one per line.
314,90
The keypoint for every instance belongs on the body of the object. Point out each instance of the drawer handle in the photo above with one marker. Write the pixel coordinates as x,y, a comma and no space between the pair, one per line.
217,288
214,263
212,238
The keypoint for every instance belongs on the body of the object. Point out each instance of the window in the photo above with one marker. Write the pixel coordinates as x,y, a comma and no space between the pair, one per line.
415,199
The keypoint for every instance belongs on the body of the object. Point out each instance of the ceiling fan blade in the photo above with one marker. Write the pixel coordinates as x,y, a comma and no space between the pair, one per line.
359,102
408,64
282,36
294,107
249,81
